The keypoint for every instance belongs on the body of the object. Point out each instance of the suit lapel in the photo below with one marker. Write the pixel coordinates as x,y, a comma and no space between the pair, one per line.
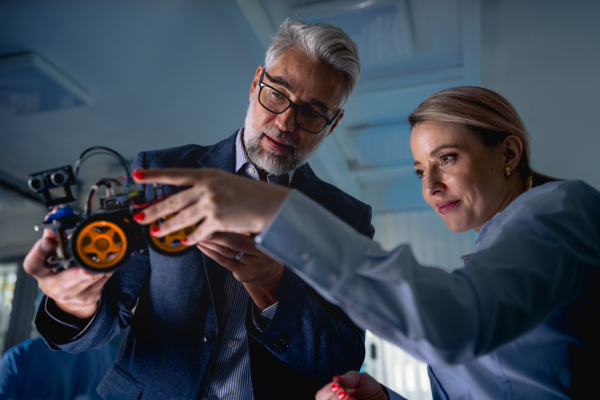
306,181
220,156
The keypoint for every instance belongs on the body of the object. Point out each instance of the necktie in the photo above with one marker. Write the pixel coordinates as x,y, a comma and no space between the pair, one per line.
283,180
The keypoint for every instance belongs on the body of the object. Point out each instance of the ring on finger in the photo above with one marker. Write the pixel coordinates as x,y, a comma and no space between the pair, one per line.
239,256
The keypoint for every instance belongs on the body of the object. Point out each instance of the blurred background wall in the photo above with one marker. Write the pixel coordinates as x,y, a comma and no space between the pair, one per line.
150,74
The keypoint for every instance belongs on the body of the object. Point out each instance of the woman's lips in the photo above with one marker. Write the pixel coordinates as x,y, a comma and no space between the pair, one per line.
445,206
278,145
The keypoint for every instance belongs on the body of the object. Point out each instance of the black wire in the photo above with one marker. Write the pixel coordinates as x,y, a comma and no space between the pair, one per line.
107,151
90,196
98,151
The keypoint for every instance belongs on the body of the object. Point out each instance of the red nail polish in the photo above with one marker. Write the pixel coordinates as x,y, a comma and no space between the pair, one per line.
184,241
139,174
154,230
335,387
139,217
341,394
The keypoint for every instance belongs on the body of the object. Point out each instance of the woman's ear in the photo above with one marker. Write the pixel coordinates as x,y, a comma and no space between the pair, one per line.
512,151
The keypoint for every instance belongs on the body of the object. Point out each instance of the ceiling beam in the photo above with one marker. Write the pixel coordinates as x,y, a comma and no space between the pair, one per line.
16,187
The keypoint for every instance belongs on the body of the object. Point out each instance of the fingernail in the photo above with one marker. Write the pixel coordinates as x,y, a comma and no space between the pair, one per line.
139,174
335,387
209,236
341,394
139,217
336,377
154,230
184,241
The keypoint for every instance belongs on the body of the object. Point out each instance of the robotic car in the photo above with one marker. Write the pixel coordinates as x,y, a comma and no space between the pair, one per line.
104,240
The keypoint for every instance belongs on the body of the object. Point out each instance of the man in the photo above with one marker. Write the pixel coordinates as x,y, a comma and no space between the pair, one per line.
30,370
227,322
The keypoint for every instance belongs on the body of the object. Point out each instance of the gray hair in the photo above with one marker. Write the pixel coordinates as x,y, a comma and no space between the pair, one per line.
324,43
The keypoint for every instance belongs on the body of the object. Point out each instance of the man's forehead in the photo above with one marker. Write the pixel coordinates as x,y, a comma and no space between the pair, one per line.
313,81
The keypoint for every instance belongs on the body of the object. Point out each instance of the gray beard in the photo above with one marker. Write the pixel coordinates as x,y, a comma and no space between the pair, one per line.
270,160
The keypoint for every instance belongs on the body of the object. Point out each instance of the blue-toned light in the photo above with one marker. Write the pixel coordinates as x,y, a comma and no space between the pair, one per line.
29,84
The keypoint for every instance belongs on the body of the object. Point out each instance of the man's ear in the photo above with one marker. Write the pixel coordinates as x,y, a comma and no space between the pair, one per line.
255,81
512,151
339,117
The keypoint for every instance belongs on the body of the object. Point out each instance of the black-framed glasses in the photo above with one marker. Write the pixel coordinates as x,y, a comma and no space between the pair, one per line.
277,103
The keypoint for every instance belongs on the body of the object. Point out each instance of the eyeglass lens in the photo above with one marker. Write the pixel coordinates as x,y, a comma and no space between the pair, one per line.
277,103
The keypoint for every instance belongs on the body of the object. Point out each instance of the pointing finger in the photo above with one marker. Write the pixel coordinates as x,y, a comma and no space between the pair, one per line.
170,176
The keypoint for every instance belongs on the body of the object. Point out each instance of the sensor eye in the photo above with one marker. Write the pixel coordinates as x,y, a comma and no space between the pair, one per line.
59,177
38,183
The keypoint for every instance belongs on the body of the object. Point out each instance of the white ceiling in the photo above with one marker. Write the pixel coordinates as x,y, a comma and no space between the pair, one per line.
165,73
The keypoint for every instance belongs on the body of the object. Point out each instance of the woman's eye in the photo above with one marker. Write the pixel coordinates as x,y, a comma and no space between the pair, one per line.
446,158
419,173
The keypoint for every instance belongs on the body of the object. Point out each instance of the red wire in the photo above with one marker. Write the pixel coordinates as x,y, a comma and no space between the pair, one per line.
148,204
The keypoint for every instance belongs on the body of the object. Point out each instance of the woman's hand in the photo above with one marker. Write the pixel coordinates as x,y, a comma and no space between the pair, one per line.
353,385
216,200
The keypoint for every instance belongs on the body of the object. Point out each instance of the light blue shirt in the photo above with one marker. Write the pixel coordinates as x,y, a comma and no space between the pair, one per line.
519,321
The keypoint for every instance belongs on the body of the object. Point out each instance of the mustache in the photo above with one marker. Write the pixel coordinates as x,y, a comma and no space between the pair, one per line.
276,133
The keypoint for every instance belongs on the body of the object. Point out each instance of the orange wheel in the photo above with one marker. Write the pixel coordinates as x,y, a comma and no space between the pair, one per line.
100,245
170,244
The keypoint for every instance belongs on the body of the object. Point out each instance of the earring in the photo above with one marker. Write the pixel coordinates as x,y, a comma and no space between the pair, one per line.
507,171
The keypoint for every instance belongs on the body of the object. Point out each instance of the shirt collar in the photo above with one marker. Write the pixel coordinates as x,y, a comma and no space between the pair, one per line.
480,236
243,162
484,230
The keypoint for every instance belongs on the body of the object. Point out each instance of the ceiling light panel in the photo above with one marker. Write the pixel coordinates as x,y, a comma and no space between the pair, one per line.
30,84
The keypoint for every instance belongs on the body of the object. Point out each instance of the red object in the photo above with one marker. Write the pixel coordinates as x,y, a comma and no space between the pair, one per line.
341,394
183,241
139,217
335,387
139,174
154,230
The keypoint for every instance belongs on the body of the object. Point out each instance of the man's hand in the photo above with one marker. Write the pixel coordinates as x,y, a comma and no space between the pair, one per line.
218,201
75,290
260,274
353,385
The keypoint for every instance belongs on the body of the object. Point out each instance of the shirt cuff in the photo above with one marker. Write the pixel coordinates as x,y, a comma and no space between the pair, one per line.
262,319
69,322
322,249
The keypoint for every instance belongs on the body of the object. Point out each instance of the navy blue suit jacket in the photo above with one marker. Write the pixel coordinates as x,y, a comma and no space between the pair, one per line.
180,300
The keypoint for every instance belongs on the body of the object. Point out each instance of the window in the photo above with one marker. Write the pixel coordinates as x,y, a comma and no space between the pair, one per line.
8,280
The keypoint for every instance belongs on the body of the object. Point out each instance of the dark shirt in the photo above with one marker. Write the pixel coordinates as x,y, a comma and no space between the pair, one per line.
32,371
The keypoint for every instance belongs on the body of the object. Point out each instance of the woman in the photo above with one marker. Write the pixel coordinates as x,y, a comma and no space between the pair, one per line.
515,322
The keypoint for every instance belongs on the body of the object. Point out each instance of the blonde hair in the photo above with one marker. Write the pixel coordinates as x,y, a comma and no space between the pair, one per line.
485,114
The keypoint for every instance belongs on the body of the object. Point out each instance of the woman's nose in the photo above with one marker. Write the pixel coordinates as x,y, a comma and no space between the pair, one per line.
432,183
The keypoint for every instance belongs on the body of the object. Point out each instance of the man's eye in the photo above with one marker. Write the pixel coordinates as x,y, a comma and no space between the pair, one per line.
275,94
419,173
311,114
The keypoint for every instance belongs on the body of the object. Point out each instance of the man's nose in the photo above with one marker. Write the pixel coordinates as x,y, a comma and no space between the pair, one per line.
286,120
